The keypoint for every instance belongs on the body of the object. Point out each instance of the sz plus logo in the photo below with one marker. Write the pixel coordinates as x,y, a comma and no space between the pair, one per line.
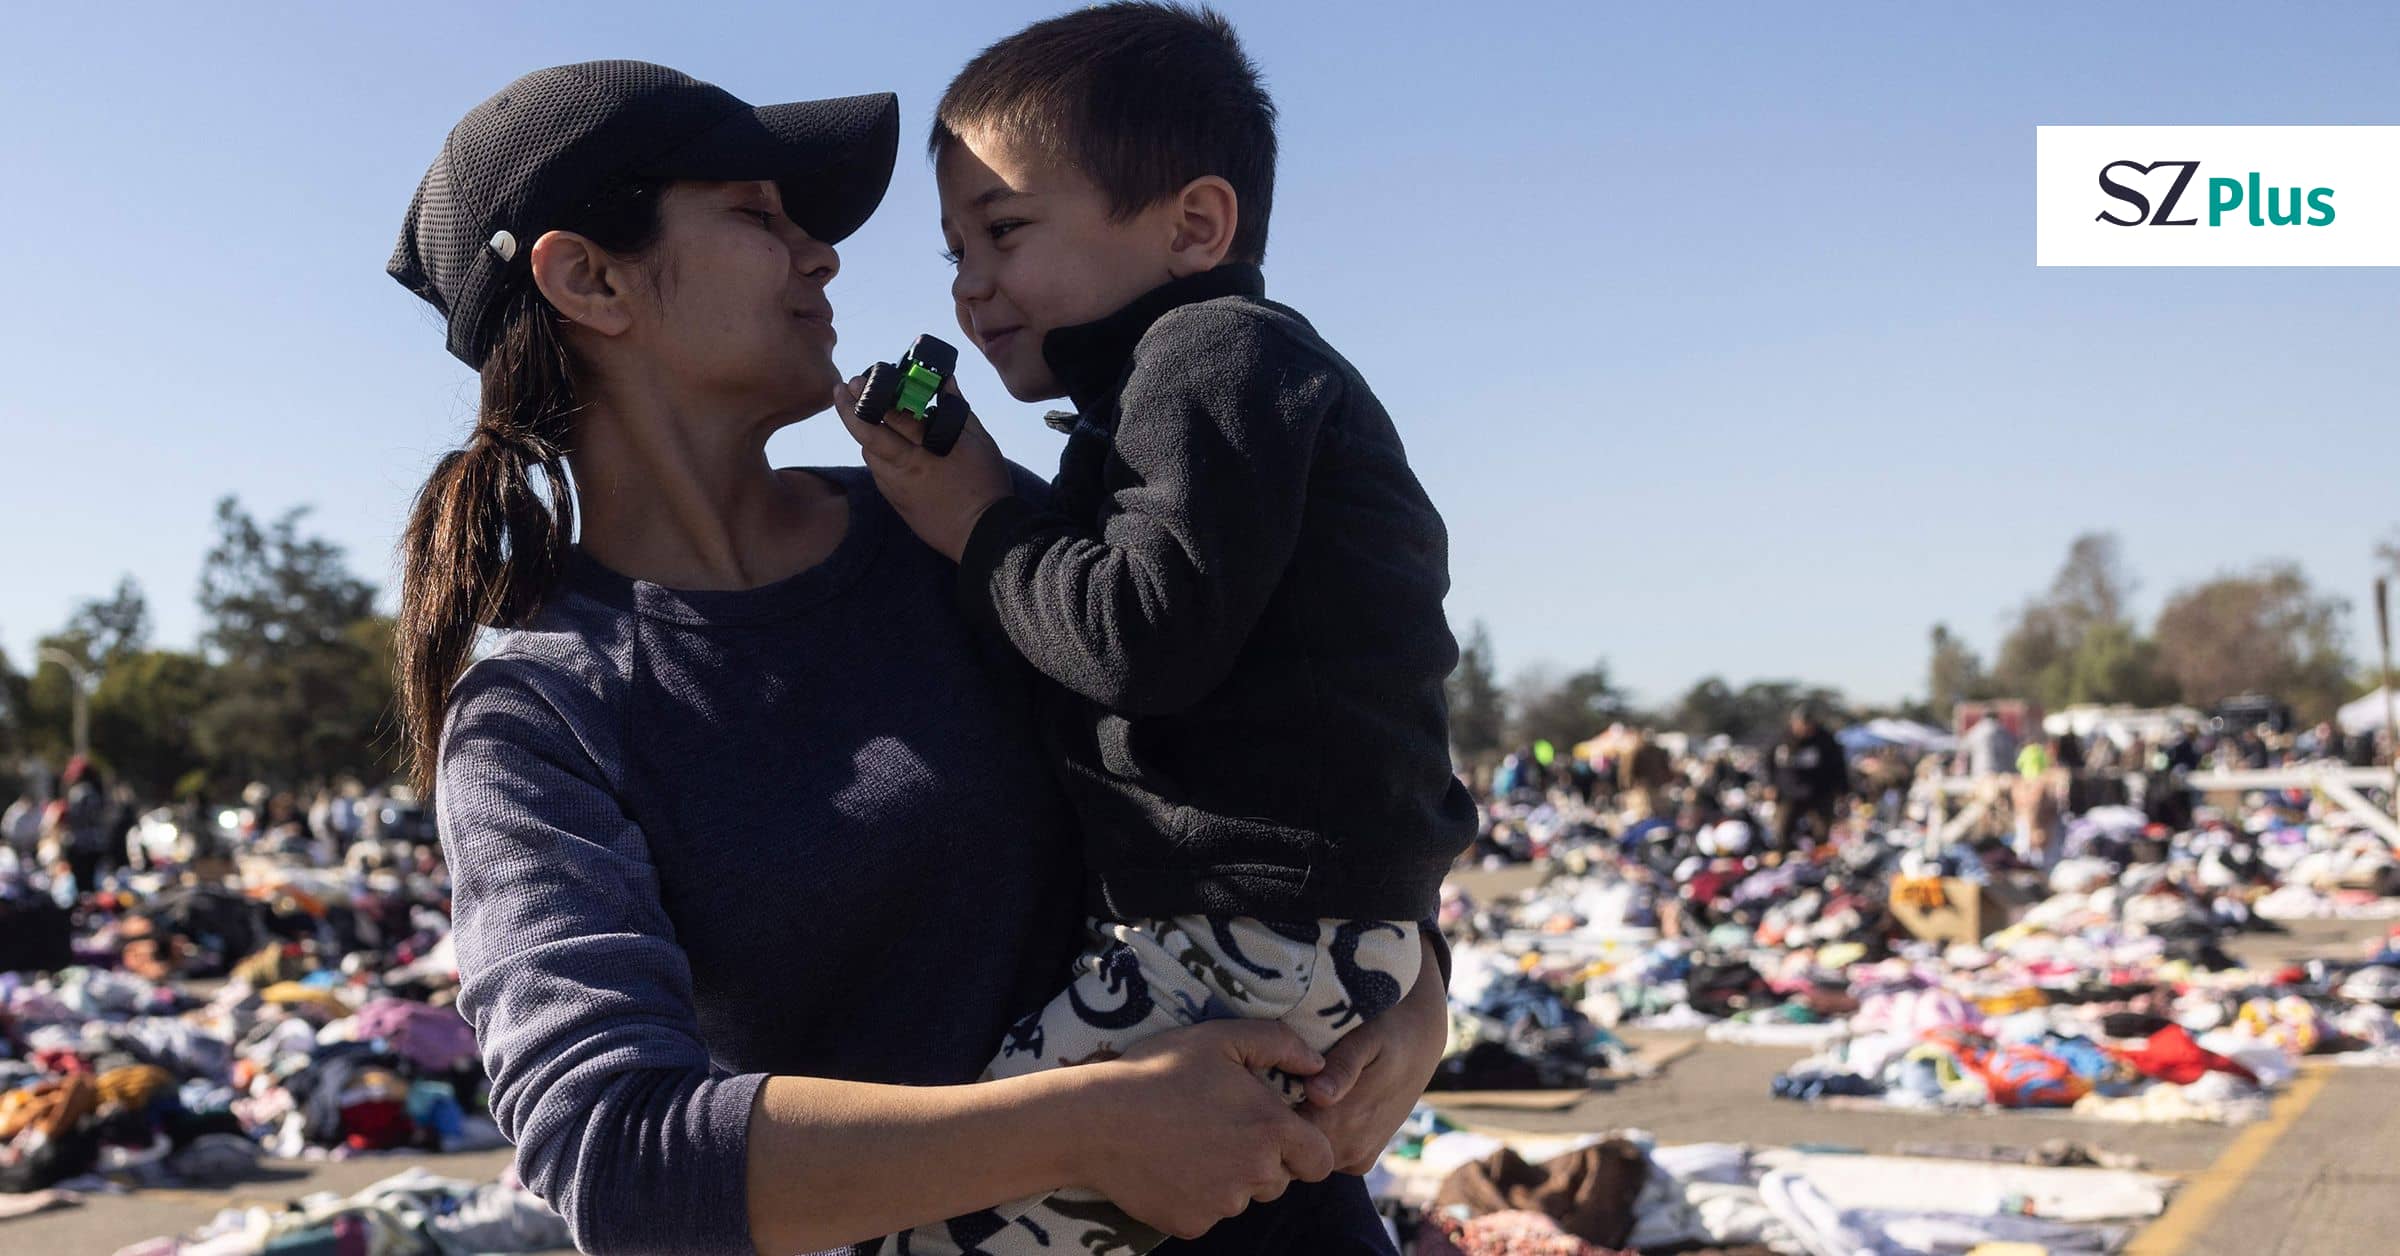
2235,195
2133,183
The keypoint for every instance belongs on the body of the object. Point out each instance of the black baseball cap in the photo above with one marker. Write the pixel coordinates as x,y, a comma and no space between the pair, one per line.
547,142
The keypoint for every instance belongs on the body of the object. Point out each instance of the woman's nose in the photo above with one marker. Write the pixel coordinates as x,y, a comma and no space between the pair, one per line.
813,257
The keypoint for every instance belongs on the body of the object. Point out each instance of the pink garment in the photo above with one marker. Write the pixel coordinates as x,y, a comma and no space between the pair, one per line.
1502,1234
1915,1013
436,1038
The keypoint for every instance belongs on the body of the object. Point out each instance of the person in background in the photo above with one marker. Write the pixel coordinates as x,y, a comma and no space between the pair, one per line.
21,824
1990,748
83,823
1811,775
1644,775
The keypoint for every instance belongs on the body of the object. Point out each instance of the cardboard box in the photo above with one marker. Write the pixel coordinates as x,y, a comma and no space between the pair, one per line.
1968,913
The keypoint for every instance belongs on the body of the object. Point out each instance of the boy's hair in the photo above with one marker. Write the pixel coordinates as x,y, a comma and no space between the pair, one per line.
1143,97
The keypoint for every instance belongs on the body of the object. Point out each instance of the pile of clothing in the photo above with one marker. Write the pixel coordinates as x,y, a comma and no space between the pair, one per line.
2102,983
413,1213
107,1072
176,1029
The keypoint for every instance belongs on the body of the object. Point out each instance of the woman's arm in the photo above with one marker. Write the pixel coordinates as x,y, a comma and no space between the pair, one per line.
1374,1076
1178,1133
582,1006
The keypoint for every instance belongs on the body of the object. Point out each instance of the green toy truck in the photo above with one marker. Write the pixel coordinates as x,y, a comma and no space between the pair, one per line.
913,386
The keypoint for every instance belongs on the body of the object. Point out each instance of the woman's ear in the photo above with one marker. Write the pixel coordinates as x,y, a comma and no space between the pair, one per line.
582,282
1205,214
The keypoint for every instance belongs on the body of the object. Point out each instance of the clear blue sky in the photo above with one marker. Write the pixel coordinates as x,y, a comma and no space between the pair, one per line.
1713,329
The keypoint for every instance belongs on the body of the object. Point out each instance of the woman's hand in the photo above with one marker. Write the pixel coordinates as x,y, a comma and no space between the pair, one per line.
939,497
1374,1076
1183,1132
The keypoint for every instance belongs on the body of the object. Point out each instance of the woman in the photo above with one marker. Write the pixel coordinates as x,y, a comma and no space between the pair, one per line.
753,863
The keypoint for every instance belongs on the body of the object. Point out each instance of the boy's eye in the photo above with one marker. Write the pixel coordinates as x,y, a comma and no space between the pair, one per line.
766,217
1004,226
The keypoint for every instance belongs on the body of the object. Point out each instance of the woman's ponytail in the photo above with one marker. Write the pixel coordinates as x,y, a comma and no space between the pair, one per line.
483,549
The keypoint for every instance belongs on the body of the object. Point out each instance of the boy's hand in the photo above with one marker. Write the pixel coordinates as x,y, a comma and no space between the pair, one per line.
939,497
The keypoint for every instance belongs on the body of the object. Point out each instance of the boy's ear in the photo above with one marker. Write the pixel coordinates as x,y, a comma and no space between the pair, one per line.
1205,214
582,281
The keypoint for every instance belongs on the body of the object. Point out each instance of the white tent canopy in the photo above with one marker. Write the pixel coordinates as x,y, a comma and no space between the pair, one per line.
2362,716
1889,732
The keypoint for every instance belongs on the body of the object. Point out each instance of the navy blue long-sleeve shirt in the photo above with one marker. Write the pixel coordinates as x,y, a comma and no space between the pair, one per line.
701,838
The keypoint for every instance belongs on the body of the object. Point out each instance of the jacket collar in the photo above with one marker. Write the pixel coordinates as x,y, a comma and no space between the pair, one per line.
1089,358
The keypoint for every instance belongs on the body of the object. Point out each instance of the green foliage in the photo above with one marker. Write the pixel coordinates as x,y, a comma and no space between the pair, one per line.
2078,643
303,683
1755,713
1478,705
112,627
1564,712
13,698
1954,675
2265,632
144,715
293,685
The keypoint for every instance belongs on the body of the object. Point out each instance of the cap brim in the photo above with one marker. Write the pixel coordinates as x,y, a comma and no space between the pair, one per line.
831,158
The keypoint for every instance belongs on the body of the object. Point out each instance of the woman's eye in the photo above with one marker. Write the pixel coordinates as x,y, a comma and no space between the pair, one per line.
953,256
1004,226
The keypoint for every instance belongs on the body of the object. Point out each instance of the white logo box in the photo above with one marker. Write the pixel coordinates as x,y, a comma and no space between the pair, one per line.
2359,164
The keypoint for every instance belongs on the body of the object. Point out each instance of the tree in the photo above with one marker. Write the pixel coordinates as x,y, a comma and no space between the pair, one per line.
12,715
2115,664
1755,713
114,626
301,689
2033,657
145,716
2092,587
1954,675
49,703
1564,712
2265,632
2077,643
1478,707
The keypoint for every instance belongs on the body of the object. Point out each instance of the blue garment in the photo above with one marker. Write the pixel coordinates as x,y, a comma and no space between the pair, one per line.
1809,1086
1639,832
2088,1059
699,838
434,1106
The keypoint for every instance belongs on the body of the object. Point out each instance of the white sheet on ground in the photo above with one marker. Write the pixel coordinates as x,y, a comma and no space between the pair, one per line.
1911,1184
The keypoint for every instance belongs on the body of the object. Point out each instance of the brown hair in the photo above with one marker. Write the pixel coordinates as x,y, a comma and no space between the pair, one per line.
482,547
1142,97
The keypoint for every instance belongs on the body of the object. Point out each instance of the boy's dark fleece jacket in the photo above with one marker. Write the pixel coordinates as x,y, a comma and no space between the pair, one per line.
1238,588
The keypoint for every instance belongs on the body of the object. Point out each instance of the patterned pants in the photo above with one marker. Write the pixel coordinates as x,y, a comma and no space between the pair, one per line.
1322,978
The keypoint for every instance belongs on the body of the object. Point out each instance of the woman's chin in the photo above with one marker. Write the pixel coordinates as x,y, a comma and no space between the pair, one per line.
812,389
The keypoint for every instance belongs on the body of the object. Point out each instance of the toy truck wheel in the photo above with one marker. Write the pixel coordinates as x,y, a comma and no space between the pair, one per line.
881,389
945,421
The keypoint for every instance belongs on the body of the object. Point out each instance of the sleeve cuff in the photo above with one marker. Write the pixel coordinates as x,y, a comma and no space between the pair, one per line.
723,1214
998,528
1431,929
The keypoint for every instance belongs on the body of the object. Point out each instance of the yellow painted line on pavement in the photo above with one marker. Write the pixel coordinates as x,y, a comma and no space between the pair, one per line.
2197,1204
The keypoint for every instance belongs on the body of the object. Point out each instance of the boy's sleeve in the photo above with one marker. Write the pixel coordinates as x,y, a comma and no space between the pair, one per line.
1205,491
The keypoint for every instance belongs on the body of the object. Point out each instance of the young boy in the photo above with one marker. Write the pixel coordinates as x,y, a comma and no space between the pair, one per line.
1236,583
